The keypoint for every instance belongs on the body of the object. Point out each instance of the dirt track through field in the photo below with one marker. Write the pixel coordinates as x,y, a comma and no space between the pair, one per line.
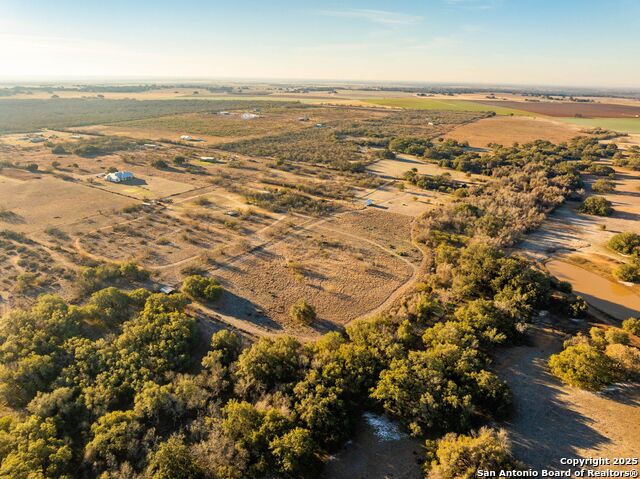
309,223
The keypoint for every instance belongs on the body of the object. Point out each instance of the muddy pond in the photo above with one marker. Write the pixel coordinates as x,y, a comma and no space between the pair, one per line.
613,298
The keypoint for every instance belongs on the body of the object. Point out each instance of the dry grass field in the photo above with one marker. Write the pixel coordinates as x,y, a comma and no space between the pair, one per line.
43,201
311,264
507,130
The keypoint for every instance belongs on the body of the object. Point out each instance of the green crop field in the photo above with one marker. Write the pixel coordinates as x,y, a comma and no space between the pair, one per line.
624,125
444,105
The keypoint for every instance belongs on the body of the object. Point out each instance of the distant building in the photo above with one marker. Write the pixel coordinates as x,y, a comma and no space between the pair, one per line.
208,159
319,125
119,176
166,289
186,138
249,116
303,118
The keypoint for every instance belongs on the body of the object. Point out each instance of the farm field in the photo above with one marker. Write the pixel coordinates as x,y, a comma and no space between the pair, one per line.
449,105
625,125
570,109
507,130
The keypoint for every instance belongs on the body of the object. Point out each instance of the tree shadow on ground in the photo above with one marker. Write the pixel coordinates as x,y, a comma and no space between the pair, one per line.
231,304
544,427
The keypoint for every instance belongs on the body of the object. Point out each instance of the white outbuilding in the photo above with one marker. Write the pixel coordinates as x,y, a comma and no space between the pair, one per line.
119,176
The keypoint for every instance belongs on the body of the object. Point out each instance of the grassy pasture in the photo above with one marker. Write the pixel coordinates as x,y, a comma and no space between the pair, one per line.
624,125
417,103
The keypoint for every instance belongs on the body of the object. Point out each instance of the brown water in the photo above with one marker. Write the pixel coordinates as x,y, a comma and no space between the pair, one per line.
613,298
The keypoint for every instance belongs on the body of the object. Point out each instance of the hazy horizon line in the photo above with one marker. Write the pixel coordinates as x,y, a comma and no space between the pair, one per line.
115,79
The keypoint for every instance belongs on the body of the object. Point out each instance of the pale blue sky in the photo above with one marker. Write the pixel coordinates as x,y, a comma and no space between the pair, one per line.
543,42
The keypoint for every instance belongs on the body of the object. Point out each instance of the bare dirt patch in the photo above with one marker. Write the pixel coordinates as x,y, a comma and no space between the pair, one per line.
371,455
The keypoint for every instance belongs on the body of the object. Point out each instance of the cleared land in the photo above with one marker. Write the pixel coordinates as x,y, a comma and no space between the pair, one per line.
418,103
564,109
507,130
625,125
48,201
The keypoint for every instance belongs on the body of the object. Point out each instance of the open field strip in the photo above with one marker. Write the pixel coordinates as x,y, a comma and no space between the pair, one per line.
418,103
624,125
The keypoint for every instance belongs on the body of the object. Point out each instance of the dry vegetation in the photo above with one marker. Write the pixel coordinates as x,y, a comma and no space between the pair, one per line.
299,221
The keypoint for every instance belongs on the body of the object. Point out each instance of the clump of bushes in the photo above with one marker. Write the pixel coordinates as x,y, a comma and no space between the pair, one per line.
443,183
632,326
597,205
596,361
99,146
603,186
98,277
59,150
601,170
281,199
625,243
201,288
462,456
160,164
302,312
628,272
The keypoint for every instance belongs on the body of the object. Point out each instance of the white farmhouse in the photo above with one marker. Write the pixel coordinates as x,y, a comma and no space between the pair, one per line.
119,176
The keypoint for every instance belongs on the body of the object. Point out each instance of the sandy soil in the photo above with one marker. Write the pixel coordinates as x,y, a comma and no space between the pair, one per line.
370,455
552,421
507,130
614,298
580,239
